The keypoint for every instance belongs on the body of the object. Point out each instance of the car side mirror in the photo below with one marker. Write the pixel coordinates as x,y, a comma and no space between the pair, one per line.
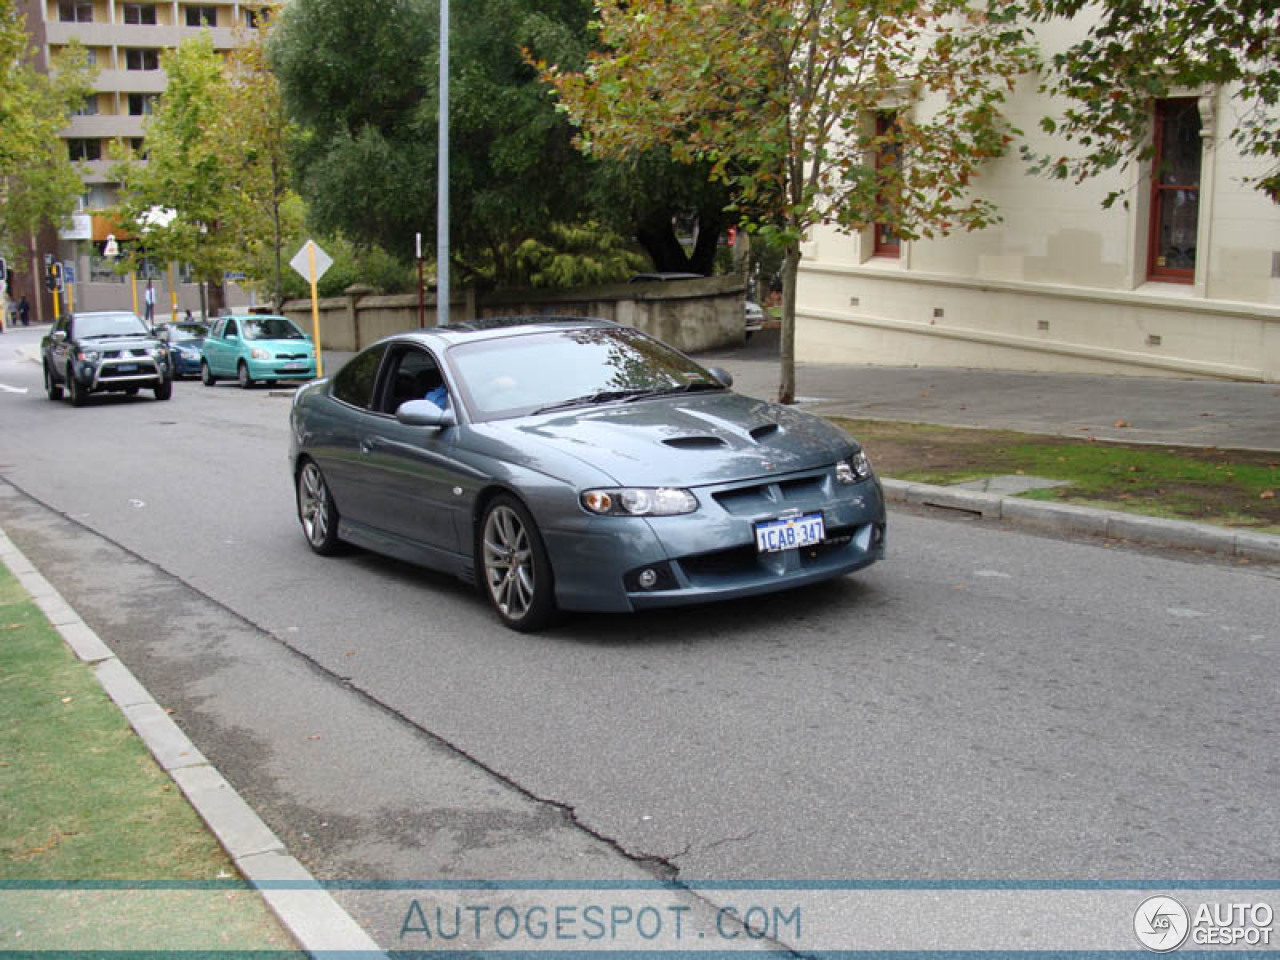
723,376
424,413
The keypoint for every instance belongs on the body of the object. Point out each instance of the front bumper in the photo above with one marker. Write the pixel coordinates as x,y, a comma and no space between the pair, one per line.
278,369
711,554
122,373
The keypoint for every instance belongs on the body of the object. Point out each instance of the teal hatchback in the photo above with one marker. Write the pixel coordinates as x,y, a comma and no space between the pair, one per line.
256,348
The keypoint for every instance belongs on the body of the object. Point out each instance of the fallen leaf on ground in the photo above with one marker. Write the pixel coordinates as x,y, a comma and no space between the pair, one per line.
1122,424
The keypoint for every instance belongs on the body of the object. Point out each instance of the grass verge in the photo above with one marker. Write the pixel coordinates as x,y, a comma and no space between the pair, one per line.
99,850
1232,488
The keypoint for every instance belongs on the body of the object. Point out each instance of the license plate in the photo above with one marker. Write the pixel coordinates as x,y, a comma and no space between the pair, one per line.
296,365
789,533
127,368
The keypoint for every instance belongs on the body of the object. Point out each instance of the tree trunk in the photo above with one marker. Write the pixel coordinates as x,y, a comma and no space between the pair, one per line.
710,224
659,240
787,353
217,297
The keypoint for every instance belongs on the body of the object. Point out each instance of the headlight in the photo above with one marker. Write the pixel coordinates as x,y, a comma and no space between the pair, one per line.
158,352
854,468
640,502
258,353
89,356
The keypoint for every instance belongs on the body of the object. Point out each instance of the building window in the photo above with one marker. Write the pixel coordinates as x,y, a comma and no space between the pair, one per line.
255,17
75,11
888,163
202,16
89,108
84,149
140,13
142,104
1175,191
136,59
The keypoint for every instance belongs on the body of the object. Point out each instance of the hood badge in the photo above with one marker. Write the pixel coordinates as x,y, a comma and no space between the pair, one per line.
768,465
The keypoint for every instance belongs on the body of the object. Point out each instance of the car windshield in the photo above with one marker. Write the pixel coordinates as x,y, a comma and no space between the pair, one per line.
89,325
270,328
182,332
567,369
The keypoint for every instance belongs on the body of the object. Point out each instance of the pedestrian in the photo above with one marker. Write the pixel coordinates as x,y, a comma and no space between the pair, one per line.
24,311
149,298
188,318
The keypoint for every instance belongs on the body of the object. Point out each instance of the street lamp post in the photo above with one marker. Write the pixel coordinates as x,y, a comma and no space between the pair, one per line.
442,212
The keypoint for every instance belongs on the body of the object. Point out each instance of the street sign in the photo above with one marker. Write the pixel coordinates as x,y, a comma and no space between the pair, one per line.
302,261
68,272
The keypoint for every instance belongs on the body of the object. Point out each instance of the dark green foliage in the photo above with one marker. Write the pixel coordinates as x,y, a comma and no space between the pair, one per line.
1138,51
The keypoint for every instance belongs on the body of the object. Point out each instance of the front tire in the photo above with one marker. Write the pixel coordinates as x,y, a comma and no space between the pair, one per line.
51,386
242,374
164,390
76,389
206,375
512,559
316,511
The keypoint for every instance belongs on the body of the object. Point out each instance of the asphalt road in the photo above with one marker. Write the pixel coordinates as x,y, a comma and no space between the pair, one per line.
986,704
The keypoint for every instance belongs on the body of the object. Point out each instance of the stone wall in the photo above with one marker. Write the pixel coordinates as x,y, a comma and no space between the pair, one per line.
691,315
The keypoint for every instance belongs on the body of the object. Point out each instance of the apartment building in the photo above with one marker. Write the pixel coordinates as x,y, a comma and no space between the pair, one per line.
124,41
1181,279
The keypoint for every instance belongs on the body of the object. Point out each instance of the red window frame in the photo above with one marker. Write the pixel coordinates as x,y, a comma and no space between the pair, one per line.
1163,195
886,242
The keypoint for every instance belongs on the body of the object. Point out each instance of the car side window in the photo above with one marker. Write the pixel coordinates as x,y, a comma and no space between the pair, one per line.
215,331
232,329
354,382
412,374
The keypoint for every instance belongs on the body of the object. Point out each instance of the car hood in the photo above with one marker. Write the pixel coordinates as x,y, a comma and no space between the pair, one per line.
685,441
120,343
281,346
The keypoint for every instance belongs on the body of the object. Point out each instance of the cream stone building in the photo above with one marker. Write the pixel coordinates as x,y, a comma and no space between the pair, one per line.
1181,279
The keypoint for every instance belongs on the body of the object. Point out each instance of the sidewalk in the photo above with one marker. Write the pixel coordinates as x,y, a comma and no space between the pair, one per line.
1196,413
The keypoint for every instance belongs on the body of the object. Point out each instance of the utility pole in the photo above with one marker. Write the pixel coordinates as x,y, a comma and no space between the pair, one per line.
442,212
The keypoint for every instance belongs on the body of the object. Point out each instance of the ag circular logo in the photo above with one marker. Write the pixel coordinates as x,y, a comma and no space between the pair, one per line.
1161,924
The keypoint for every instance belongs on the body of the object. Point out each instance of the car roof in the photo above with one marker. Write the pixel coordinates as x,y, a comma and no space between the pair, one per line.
104,313
497,328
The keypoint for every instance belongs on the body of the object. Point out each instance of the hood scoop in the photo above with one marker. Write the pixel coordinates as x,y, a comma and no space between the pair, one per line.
695,443
764,430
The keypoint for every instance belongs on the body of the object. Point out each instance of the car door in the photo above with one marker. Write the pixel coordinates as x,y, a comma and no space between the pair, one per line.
60,347
413,472
209,349
228,348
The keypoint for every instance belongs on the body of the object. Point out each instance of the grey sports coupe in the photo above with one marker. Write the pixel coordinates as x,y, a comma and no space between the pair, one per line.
576,465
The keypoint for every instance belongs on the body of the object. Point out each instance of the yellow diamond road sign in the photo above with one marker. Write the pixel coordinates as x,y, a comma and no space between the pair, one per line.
302,261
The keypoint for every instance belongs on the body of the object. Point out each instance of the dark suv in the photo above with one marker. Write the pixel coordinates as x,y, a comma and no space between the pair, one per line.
108,350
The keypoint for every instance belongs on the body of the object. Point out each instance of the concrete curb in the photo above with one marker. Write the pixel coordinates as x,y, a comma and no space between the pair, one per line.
1065,518
315,920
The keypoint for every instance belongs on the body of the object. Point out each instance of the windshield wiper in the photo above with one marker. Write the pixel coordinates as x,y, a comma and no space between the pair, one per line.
684,388
589,399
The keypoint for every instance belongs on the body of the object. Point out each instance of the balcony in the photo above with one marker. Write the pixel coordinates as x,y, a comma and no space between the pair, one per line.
130,81
105,126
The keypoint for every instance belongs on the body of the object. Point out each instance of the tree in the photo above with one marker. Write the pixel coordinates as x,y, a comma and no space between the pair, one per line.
1137,52
255,136
38,181
780,98
186,171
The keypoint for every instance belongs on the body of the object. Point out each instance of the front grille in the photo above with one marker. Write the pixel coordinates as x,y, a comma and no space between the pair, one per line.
759,498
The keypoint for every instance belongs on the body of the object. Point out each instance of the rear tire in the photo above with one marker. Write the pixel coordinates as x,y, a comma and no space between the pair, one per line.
316,511
51,386
513,562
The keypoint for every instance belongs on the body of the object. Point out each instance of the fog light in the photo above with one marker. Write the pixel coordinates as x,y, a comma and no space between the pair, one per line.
648,579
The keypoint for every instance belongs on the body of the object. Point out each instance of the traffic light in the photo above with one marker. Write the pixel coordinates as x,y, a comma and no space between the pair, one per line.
53,277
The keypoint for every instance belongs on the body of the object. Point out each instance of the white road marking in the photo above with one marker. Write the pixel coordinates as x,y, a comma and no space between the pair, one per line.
5,388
